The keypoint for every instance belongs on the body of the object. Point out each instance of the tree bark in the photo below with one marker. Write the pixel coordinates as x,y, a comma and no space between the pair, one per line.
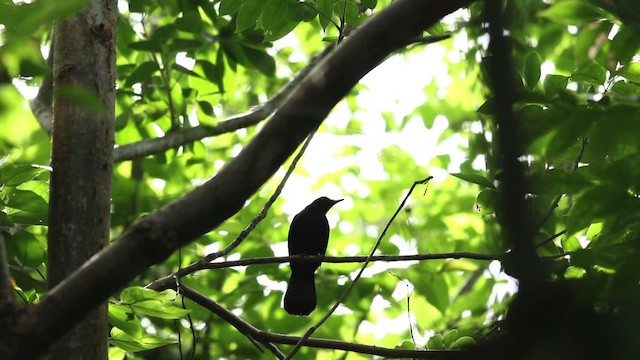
83,137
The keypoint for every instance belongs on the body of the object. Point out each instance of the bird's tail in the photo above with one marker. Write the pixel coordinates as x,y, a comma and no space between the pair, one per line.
300,298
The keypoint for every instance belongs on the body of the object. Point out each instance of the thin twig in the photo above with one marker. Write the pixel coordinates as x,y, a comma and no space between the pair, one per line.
413,339
202,264
265,208
556,201
425,40
351,259
263,213
266,337
163,283
346,292
550,238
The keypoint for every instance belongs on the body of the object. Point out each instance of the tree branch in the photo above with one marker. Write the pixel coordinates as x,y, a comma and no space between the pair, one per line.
163,283
42,104
41,107
515,221
268,337
352,259
185,136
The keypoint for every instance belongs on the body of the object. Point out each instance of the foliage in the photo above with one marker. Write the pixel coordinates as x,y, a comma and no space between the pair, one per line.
190,63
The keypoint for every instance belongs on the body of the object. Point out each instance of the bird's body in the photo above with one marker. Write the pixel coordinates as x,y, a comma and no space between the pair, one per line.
308,235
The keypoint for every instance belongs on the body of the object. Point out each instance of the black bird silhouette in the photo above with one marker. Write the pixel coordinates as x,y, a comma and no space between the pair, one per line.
308,235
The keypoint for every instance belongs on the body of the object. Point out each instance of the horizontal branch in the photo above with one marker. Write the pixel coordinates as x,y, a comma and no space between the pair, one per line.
175,139
41,107
352,259
185,136
269,337
169,281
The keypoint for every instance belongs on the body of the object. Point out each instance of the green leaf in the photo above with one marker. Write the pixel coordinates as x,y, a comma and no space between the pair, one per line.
325,12
574,272
302,12
475,179
280,29
228,7
248,14
486,201
554,84
184,70
435,342
631,72
463,342
27,248
137,293
27,201
273,13
14,175
25,18
571,12
625,89
570,129
146,45
437,29
209,70
190,21
583,258
409,345
261,60
160,308
459,265
592,73
123,318
389,120
532,70
142,72
206,107
450,337
370,4
349,12
116,353
570,243
178,45
152,303
164,33
147,342
136,6
435,290
626,43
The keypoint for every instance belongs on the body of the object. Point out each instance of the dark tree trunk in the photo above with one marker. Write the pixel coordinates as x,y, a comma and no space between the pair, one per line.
83,137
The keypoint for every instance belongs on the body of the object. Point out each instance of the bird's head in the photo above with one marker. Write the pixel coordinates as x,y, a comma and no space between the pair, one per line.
324,203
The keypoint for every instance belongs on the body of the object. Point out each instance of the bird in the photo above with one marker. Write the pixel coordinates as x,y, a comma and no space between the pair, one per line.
308,235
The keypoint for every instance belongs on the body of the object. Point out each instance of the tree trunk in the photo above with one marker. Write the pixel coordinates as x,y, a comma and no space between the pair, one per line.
83,137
